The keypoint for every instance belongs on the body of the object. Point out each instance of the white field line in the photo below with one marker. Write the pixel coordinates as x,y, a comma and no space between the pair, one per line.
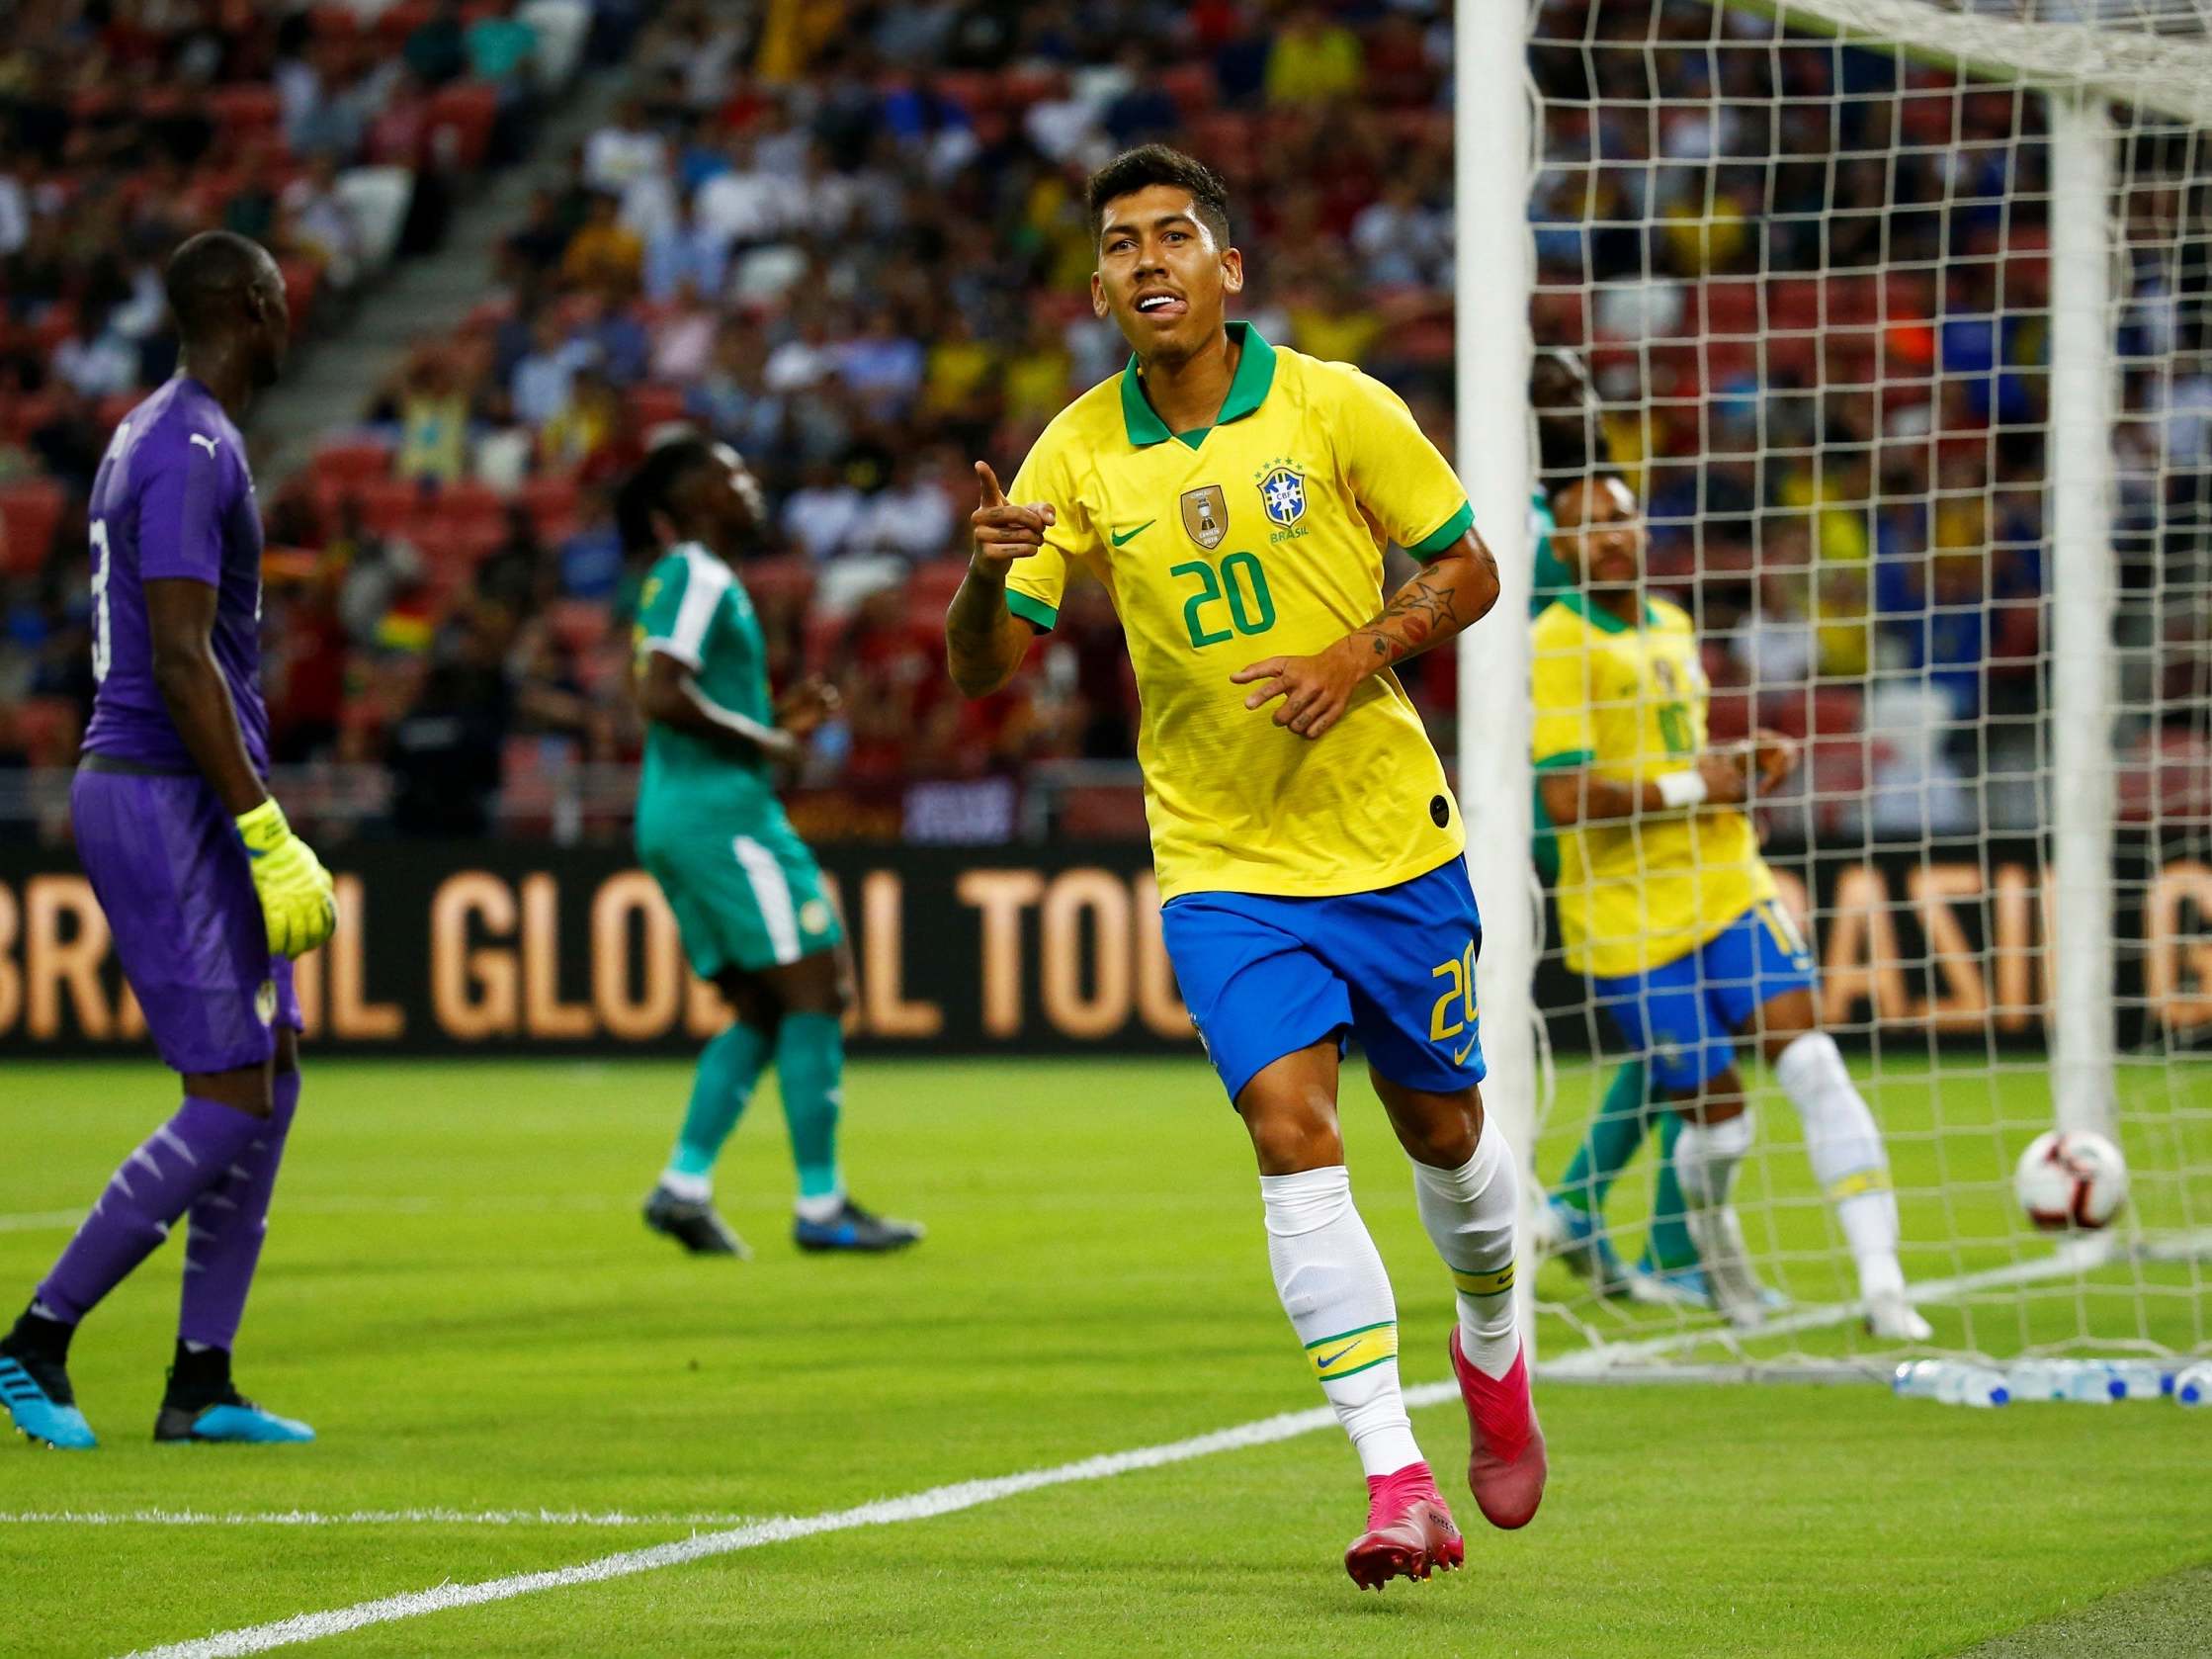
359,1517
2067,1261
916,1506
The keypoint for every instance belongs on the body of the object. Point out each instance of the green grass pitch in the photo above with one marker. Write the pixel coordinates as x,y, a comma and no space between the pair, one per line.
459,1295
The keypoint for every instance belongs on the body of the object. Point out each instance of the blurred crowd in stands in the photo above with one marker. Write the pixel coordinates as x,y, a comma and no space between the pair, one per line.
1812,286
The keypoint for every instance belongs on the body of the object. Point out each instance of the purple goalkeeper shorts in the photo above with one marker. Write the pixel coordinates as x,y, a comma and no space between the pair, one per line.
168,868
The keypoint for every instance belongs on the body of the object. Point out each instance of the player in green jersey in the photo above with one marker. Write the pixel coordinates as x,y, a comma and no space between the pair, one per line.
1571,442
748,894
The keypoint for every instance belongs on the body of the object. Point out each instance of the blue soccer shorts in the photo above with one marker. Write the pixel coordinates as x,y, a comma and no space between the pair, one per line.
1683,1014
1264,977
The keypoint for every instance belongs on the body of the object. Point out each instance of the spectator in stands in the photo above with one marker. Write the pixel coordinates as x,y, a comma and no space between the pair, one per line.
588,428
95,360
731,398
323,222
745,204
1314,60
823,515
374,573
604,253
540,388
591,559
516,576
683,342
71,440
444,753
533,249
433,425
911,515
437,48
682,252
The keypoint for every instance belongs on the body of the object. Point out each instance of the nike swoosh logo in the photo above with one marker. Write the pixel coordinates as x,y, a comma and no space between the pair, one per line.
1329,1359
1460,1059
1130,534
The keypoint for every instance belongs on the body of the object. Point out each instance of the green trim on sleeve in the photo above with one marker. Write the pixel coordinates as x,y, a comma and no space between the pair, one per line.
1445,534
1564,758
1035,612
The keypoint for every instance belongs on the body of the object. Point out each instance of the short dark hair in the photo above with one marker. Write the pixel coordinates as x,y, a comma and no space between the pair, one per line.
647,490
207,278
1149,164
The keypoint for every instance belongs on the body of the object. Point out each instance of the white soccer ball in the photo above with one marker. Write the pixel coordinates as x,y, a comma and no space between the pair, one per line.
2071,1179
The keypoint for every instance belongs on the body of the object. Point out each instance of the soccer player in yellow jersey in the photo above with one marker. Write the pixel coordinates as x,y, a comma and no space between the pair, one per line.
1667,905
1234,498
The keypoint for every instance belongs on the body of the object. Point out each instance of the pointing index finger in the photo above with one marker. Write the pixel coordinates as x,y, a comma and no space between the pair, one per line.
993,496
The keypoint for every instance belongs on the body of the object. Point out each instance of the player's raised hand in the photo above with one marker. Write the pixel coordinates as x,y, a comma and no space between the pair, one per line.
802,709
1005,532
1775,757
1316,690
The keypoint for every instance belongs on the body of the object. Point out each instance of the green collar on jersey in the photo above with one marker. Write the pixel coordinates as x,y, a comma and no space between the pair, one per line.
1605,622
1248,389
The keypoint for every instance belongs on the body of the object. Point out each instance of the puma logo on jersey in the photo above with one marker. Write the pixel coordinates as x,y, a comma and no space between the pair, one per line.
202,438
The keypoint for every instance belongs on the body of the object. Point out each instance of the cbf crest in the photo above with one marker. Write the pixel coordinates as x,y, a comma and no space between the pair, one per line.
1206,515
1282,491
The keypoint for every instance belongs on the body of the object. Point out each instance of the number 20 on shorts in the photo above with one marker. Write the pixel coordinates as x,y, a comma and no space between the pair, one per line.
1444,1024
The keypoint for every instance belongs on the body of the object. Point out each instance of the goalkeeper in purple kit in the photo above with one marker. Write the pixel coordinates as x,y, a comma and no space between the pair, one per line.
206,891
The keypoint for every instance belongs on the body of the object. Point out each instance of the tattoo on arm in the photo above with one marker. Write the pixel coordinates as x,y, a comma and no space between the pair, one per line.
1421,612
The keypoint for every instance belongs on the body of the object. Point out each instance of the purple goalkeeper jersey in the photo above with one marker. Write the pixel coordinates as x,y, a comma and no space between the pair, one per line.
173,497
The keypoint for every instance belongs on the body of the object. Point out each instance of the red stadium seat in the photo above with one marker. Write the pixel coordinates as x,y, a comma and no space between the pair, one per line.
302,277
387,504
778,579
1192,86
932,586
466,110
578,624
250,110
351,462
655,406
45,731
550,500
29,515
22,416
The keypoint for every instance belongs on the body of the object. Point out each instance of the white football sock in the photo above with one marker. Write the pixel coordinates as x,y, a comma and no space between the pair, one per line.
1705,1160
1846,1149
1339,1297
1470,1213
692,1189
1706,1155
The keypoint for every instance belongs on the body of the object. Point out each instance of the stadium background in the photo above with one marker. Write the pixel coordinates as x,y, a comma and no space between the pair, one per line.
849,239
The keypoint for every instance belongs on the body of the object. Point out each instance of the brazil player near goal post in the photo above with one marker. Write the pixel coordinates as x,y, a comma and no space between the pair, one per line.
208,893
750,899
1570,1225
1234,498
1666,903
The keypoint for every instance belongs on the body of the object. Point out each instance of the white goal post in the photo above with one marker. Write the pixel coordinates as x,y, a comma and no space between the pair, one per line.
2061,1017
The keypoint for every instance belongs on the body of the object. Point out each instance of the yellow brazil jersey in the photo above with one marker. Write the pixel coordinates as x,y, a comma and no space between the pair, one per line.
1629,703
1261,536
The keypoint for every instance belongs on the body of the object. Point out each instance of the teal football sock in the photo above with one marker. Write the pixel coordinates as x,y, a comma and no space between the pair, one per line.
1615,1132
1668,1244
811,1063
728,1068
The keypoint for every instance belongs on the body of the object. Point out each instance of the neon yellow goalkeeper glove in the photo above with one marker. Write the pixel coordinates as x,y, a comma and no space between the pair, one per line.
296,899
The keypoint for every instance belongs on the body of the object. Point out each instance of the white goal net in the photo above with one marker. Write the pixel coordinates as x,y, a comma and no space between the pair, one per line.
1898,319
